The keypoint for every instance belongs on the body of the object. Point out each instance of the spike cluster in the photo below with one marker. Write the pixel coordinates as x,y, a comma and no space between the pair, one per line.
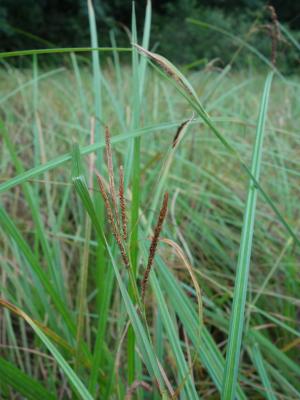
166,66
110,168
275,33
112,207
117,218
154,242
122,203
180,131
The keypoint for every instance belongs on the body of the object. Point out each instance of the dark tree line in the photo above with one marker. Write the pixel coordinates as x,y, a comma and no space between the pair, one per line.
28,24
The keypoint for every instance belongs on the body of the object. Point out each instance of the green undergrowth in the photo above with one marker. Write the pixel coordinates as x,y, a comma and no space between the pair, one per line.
220,311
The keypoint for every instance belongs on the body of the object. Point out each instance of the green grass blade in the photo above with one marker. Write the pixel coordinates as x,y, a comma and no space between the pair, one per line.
283,362
19,53
117,65
101,263
31,82
82,290
81,188
56,274
96,70
185,378
173,75
68,371
283,382
259,363
80,88
145,44
11,230
243,264
25,385
61,160
136,176
208,351
139,73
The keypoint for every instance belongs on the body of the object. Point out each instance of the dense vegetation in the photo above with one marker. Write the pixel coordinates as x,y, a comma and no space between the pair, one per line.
65,24
217,315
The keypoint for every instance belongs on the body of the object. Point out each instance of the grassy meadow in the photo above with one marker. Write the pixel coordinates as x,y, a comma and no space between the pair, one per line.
218,315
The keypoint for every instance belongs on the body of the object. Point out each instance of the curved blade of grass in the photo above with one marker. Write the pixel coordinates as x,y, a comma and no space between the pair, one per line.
171,73
171,332
50,333
68,371
80,88
32,36
145,346
118,69
185,374
97,87
83,281
259,363
81,188
283,382
243,264
55,271
181,131
133,166
30,82
19,53
186,381
98,111
58,161
146,40
25,385
11,230
208,351
139,76
283,362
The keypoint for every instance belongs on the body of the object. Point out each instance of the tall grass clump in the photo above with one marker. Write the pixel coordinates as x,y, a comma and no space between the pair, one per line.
149,226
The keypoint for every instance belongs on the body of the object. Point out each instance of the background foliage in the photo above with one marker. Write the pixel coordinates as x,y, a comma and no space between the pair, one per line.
72,319
65,23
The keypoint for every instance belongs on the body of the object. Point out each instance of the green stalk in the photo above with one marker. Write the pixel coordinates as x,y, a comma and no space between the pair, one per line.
100,255
19,53
22,383
260,366
139,74
61,160
82,291
243,264
135,200
134,250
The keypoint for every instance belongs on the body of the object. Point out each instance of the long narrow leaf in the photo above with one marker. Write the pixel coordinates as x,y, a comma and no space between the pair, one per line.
22,383
243,264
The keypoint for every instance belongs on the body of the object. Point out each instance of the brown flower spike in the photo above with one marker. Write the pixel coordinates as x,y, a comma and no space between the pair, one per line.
122,203
112,211
154,242
111,220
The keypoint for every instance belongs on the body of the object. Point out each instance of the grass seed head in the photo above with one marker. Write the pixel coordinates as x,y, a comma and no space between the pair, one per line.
112,223
122,203
110,168
154,242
